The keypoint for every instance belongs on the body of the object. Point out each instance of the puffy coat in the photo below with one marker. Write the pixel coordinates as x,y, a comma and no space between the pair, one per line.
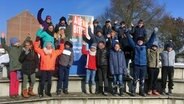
153,58
168,58
117,62
91,58
140,51
102,56
48,61
45,37
29,62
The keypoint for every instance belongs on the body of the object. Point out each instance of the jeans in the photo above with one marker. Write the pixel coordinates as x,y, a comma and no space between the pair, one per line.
90,75
139,74
25,80
118,80
152,78
63,77
102,76
167,71
45,76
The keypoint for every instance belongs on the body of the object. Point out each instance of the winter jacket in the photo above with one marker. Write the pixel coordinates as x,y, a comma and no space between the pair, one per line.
66,58
168,58
48,61
94,37
45,37
14,53
138,32
112,41
102,56
29,62
140,52
117,62
41,21
153,58
91,58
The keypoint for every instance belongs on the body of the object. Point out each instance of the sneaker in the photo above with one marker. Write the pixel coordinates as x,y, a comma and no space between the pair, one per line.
163,92
170,92
65,91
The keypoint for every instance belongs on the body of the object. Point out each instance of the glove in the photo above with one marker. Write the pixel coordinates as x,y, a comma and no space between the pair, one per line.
156,29
41,9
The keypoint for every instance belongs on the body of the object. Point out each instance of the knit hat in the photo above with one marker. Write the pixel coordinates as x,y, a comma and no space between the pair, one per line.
69,43
13,40
140,38
155,43
62,19
48,17
169,45
93,45
107,21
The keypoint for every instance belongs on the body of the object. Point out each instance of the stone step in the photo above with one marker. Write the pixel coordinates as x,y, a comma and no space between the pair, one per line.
76,84
81,98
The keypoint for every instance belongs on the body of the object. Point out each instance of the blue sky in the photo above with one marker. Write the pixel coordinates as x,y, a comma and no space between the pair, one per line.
58,8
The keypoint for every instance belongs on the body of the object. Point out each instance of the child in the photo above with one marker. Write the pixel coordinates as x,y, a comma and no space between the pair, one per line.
168,60
117,68
90,66
48,57
29,60
140,60
65,62
46,35
45,23
102,66
14,52
153,68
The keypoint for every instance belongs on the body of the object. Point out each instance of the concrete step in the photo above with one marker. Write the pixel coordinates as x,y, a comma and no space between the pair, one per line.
76,84
81,98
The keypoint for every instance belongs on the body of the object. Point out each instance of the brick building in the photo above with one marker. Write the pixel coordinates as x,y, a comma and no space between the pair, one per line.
22,25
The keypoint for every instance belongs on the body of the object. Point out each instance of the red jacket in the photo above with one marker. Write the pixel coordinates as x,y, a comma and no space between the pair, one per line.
47,62
91,58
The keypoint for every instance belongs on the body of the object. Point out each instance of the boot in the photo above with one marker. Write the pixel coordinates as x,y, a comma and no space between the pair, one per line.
65,91
170,92
87,88
142,93
93,89
49,90
156,93
59,92
114,90
25,93
100,90
105,91
31,91
121,91
150,92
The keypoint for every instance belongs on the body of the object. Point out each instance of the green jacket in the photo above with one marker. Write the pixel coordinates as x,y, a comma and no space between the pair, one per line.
14,53
153,58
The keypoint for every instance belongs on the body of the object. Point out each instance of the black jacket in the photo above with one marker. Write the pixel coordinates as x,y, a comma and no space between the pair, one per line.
102,57
29,62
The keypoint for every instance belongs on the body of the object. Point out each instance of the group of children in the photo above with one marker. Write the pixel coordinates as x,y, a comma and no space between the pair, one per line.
110,50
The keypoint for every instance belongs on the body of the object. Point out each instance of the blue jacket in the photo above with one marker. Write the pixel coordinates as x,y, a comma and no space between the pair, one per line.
117,62
140,52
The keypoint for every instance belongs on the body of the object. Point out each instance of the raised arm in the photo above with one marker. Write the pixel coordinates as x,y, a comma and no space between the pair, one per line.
3,43
152,38
39,16
37,48
61,48
84,51
40,32
130,40
90,33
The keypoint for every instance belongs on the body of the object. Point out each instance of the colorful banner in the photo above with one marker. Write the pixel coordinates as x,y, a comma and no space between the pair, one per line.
78,25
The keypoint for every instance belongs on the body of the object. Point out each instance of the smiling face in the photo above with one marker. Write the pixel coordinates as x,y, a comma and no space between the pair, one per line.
101,45
169,49
28,45
117,47
140,42
141,24
48,20
51,28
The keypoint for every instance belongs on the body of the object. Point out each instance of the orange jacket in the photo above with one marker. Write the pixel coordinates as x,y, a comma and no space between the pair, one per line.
47,62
